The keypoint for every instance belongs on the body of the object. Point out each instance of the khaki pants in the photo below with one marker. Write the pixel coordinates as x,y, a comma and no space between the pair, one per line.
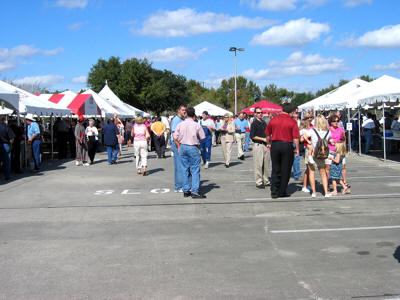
226,143
240,140
261,158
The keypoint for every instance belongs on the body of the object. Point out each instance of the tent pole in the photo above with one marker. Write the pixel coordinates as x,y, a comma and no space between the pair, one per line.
359,132
349,131
52,136
25,144
384,132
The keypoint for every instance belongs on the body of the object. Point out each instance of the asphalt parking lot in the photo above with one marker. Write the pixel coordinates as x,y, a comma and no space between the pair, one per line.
103,232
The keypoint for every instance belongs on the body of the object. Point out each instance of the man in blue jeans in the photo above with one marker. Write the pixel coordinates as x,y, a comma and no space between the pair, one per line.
205,145
368,127
6,139
111,135
34,140
178,180
187,137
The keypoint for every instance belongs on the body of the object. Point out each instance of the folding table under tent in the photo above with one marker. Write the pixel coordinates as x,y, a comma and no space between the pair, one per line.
212,109
266,107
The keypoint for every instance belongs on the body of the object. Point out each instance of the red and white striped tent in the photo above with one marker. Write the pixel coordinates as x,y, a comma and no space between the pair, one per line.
82,104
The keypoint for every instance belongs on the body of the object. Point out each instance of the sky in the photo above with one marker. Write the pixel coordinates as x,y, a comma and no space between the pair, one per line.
301,45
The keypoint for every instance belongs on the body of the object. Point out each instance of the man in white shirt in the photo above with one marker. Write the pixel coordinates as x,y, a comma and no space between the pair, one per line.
368,126
205,145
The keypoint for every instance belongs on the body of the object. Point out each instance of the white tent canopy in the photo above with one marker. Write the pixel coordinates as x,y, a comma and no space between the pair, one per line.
121,107
339,98
11,100
384,89
106,108
212,109
31,103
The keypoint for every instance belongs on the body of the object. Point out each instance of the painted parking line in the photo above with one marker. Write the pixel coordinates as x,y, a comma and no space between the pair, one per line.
333,229
333,198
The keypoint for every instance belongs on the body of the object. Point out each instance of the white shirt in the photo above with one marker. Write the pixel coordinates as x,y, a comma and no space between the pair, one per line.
207,122
368,124
92,131
165,122
314,138
395,125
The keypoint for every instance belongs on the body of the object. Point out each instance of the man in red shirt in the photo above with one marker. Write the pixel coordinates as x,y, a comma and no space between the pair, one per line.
281,132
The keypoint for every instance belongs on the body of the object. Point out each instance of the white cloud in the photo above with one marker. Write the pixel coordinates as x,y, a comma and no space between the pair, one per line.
173,54
293,33
11,58
44,81
214,82
186,22
392,66
386,37
352,3
72,3
273,5
281,5
76,26
79,79
297,64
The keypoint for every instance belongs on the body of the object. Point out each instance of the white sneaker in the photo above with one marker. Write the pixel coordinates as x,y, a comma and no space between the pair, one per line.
328,195
178,191
313,195
77,163
305,190
172,154
86,164
206,165
311,159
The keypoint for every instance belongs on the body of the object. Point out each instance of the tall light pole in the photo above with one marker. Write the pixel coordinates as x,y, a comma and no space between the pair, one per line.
234,49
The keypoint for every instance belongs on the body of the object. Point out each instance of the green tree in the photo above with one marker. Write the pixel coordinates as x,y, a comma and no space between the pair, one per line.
367,78
277,95
103,70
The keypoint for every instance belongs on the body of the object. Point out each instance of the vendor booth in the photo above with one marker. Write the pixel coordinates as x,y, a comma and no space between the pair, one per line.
212,109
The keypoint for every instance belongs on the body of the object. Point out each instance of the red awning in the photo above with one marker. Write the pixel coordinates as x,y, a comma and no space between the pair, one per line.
267,107
78,104
56,98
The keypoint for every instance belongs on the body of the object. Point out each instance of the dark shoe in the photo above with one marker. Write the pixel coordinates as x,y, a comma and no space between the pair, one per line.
260,186
285,196
274,196
242,157
187,194
226,166
198,196
114,162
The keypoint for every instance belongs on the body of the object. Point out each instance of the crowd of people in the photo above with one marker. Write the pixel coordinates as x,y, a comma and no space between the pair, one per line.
278,143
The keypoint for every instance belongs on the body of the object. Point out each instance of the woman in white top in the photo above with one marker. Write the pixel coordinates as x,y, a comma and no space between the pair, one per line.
322,128
93,136
140,135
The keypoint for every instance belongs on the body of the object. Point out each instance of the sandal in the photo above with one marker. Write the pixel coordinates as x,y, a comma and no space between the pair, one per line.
346,191
139,172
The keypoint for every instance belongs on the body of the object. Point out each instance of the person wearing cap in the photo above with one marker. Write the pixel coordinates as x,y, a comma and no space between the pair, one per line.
6,139
205,145
81,143
34,140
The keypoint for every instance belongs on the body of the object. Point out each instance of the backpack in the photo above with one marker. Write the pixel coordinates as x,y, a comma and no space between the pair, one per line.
321,150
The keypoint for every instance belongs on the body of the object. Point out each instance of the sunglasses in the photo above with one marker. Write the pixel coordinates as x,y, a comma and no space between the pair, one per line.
258,112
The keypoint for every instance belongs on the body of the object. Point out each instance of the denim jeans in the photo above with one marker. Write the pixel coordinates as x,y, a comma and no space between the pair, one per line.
247,143
205,147
5,158
190,158
296,167
110,154
178,184
36,152
368,139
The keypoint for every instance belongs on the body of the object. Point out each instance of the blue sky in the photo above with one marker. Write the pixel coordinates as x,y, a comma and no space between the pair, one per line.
302,45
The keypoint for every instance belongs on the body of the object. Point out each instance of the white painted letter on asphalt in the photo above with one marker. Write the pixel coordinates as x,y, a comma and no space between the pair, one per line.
159,191
126,192
104,192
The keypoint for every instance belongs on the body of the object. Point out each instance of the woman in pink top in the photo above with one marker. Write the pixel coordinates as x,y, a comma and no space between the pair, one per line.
140,136
337,136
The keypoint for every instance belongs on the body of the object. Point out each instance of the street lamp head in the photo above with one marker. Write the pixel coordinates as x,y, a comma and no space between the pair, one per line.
232,49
